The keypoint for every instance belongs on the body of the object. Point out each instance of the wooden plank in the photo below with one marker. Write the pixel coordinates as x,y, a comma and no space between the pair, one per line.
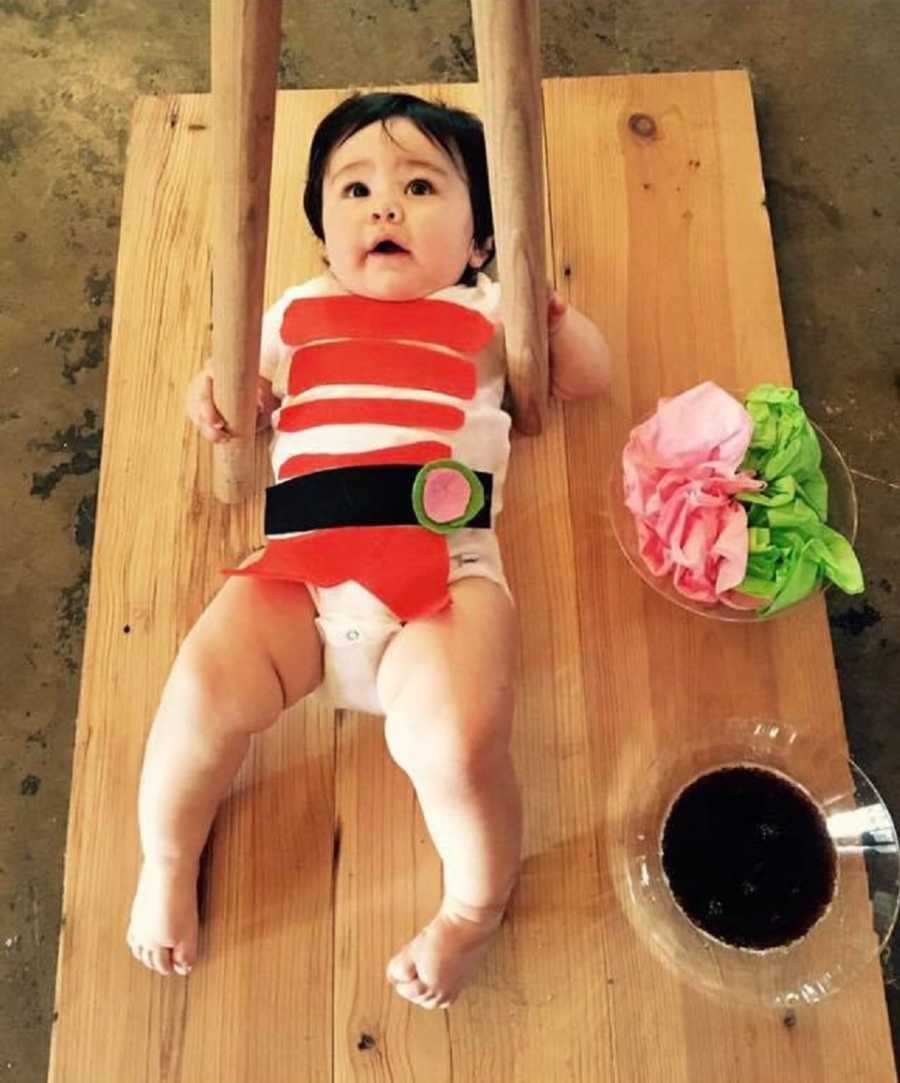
260,1003
681,275
668,245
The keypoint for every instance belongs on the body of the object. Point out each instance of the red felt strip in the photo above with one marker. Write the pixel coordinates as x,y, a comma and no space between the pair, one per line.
387,364
426,451
307,319
407,412
407,567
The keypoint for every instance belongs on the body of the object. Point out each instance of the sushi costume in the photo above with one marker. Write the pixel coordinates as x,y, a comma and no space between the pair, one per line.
389,453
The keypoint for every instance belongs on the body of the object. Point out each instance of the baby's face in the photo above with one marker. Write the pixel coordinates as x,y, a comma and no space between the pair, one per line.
403,189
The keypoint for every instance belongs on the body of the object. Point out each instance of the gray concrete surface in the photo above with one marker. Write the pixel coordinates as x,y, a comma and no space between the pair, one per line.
826,77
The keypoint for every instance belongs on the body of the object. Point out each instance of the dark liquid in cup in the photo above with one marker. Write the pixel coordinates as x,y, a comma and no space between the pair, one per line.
748,857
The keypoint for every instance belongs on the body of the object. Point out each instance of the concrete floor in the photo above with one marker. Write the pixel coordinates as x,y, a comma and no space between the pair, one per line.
826,78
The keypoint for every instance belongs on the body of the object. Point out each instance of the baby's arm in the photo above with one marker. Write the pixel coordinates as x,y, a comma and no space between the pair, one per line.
580,360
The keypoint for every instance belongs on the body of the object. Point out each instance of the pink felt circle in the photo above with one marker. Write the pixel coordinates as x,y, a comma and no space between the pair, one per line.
445,496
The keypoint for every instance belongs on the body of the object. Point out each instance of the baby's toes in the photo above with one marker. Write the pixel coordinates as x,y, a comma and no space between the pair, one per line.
401,969
162,960
158,958
145,956
430,1001
135,949
437,997
183,959
148,955
413,990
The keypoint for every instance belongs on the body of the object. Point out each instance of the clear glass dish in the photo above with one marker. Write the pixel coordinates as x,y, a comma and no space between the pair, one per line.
860,917
842,516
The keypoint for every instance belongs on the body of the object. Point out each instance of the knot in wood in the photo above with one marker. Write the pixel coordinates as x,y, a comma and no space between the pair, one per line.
643,125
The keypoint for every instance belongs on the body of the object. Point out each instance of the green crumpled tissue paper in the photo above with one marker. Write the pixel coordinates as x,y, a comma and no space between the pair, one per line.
791,547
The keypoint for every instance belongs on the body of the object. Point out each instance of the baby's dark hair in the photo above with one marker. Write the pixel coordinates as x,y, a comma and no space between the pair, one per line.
455,130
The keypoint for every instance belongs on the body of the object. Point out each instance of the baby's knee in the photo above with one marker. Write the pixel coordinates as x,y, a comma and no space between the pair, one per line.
192,679
202,685
449,744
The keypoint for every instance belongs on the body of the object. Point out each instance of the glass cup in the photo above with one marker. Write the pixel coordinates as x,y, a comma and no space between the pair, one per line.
856,924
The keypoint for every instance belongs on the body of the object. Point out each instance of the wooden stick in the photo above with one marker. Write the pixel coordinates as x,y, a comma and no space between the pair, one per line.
507,41
245,39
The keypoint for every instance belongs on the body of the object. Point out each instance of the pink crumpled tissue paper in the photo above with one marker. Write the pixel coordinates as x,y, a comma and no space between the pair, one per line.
681,474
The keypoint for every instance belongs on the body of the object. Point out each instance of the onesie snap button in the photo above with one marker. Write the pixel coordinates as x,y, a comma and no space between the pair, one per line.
353,634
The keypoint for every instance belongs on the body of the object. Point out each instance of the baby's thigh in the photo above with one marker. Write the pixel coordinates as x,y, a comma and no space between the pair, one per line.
446,682
256,643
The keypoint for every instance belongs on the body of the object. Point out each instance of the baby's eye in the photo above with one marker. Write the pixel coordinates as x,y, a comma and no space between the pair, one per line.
351,189
420,186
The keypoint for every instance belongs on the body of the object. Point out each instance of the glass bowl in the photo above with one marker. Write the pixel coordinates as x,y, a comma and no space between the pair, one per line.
842,516
856,924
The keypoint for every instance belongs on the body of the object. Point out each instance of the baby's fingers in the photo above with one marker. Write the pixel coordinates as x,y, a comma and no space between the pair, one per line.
216,434
202,410
210,421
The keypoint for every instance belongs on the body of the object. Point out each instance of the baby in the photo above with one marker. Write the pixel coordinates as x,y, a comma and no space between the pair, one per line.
383,381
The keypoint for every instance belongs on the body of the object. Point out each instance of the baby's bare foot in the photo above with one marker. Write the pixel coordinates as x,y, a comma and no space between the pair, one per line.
163,930
434,966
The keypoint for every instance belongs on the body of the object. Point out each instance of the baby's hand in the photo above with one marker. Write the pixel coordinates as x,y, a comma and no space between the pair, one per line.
556,309
202,410
578,353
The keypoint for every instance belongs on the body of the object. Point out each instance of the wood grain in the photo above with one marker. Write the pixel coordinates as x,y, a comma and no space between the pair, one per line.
320,866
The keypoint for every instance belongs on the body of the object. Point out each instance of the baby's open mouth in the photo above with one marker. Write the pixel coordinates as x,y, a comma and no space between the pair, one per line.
387,248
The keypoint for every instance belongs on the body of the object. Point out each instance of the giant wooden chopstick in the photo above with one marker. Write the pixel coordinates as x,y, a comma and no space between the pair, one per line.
245,37
507,40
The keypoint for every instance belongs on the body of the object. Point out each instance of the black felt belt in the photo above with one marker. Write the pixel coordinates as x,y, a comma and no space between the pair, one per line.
353,496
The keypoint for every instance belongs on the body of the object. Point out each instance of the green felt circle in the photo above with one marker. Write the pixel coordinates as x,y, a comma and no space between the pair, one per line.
476,497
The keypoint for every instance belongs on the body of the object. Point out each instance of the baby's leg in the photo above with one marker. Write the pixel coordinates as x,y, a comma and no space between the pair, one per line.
446,685
254,652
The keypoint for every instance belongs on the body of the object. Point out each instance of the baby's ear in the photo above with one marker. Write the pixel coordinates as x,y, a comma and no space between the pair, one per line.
480,256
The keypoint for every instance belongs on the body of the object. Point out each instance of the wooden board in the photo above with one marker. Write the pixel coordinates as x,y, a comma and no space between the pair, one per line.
320,865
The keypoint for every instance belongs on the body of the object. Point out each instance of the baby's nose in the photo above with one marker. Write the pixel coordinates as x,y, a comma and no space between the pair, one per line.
389,212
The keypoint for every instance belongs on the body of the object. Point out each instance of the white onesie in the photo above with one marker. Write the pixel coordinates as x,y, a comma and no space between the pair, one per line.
428,378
